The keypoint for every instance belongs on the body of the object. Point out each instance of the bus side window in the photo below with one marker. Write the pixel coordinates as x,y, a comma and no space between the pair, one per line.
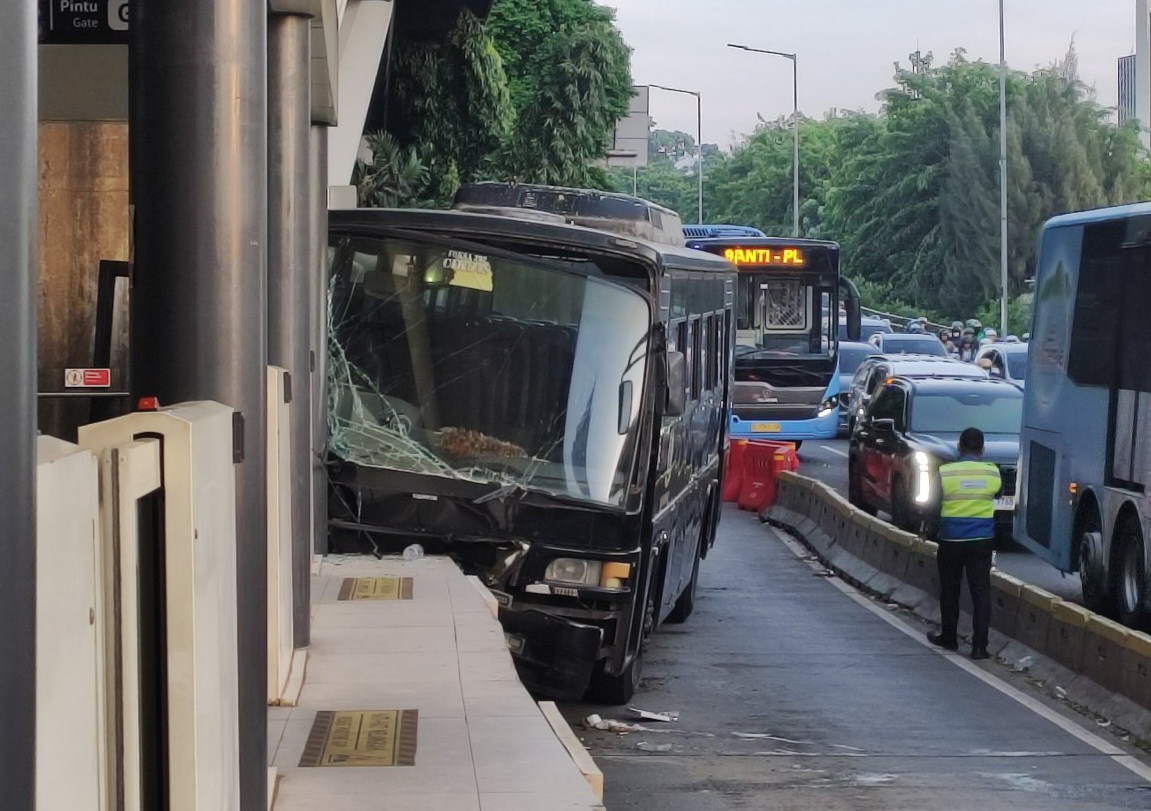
712,382
697,360
683,344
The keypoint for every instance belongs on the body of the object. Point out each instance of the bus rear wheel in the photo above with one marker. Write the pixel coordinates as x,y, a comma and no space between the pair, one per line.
1092,572
1131,577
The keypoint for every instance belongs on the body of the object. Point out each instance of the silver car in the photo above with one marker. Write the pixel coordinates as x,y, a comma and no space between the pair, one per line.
1005,361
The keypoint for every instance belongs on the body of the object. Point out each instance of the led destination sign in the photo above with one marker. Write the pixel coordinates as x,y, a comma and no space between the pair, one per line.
768,256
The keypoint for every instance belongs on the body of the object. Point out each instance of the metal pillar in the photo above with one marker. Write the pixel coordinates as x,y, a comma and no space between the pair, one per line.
18,405
1002,174
318,307
290,257
199,163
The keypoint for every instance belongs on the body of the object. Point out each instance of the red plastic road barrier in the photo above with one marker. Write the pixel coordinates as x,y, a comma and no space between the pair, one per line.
762,462
733,470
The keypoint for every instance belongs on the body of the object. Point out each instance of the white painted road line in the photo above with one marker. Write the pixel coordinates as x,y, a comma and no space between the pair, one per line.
836,451
1069,726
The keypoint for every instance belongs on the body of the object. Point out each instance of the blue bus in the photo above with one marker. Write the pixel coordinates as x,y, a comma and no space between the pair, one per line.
1085,444
787,309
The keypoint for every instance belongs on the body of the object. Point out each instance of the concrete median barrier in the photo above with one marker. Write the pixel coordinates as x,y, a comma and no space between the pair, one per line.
876,556
1105,646
1066,634
1137,669
1035,607
1005,600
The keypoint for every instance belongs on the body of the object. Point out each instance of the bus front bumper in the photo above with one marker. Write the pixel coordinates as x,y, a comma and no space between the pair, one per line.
825,427
554,656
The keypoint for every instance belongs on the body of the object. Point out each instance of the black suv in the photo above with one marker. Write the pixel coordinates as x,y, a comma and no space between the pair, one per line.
912,426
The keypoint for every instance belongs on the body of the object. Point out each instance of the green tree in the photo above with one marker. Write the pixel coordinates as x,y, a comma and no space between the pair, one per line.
450,102
570,84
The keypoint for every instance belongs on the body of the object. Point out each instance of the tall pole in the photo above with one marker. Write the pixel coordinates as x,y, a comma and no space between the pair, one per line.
198,129
290,274
318,320
699,150
18,405
1002,172
795,140
795,124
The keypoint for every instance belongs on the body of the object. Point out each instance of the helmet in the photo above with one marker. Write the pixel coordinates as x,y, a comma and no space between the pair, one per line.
990,333
922,319
915,327
1026,337
1011,339
957,325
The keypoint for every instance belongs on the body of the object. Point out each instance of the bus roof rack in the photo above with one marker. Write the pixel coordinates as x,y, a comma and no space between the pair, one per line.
620,214
719,231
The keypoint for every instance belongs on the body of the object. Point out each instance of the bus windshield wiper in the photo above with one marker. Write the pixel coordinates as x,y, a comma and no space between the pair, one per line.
522,492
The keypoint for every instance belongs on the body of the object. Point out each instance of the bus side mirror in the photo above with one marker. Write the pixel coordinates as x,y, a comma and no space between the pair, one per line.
676,384
854,319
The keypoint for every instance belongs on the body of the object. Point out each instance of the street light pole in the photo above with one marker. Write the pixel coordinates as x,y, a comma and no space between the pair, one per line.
698,138
795,124
1002,172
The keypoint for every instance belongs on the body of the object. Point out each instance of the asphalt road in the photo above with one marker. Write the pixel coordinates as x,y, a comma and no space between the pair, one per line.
827,462
795,693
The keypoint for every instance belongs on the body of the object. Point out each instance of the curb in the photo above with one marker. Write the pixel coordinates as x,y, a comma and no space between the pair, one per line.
1108,664
579,755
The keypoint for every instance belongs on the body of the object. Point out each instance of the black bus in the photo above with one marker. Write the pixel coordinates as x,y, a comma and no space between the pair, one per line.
544,402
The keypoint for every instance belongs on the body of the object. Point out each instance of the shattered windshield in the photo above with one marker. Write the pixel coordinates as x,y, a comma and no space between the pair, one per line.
484,367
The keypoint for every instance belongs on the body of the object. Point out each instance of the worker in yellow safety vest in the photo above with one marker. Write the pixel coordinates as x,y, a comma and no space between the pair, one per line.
966,541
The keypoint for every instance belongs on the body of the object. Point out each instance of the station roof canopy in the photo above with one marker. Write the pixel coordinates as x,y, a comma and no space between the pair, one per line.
432,19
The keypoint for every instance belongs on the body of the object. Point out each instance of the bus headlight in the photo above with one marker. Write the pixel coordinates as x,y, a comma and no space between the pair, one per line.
828,406
610,575
574,571
923,477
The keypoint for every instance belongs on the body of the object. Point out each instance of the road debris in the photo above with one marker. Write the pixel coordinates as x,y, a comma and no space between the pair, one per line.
1024,664
653,747
648,715
593,721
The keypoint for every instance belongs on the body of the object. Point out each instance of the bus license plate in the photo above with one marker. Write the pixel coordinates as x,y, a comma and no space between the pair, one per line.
1005,503
765,427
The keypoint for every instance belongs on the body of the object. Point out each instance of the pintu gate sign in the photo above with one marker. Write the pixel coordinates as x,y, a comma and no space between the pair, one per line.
84,22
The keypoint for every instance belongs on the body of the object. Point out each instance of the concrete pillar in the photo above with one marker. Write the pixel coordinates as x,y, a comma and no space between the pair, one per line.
318,306
290,272
18,406
199,184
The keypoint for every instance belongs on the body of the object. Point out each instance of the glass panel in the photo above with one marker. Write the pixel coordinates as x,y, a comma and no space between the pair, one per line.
484,368
1017,365
783,317
991,413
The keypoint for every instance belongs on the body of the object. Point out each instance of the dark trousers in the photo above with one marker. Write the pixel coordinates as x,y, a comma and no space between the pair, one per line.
955,558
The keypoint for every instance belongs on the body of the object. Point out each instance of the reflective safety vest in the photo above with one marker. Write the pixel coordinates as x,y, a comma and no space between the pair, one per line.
967,512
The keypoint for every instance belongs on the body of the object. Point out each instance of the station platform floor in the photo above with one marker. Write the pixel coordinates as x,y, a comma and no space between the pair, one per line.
410,701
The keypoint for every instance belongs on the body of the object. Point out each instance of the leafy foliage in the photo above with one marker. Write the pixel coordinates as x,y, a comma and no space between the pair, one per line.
912,194
572,84
449,101
395,176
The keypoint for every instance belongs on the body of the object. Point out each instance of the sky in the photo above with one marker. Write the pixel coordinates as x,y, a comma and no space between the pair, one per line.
846,50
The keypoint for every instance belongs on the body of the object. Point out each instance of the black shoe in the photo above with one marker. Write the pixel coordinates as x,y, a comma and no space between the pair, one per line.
980,653
940,641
